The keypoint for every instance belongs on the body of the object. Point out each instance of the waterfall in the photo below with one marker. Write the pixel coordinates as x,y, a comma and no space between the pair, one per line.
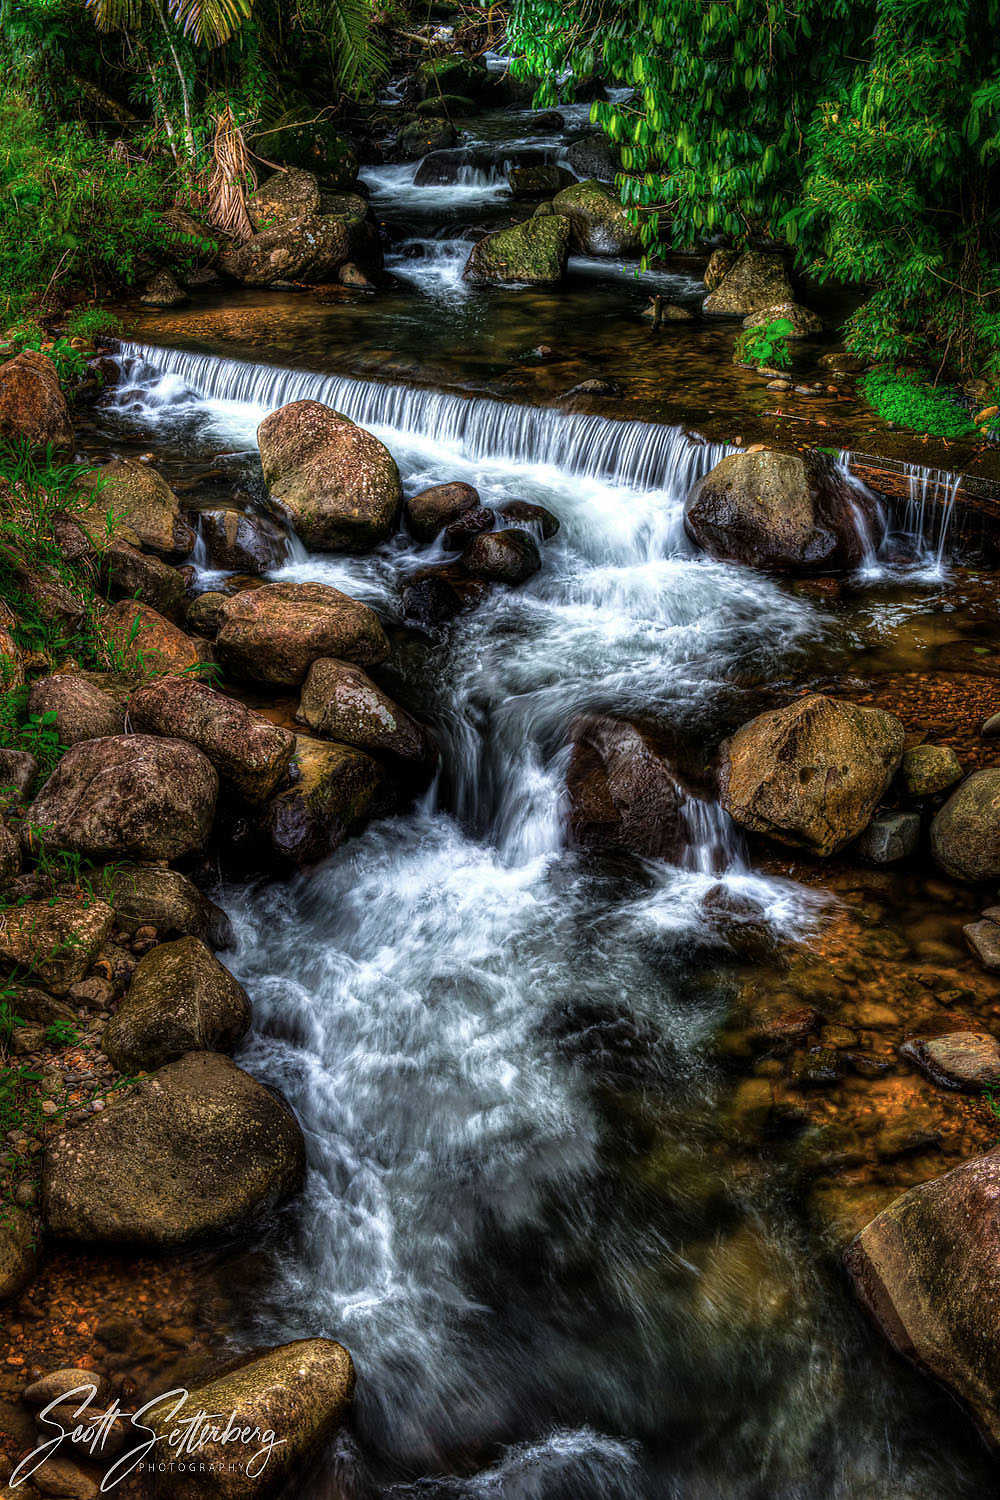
641,455
919,526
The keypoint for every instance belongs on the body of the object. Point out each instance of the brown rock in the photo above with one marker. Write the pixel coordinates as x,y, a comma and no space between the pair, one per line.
249,752
811,774
83,711
787,512
509,556
126,796
196,1148
968,1060
54,941
927,1267
32,405
300,1392
239,542
338,789
148,643
755,280
132,497
434,509
287,195
181,999
333,481
622,794
273,634
965,834
18,1251
131,574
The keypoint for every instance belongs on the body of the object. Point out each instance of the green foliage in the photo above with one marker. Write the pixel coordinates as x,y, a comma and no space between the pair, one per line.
909,401
866,135
70,363
767,345
90,322
62,1033
70,212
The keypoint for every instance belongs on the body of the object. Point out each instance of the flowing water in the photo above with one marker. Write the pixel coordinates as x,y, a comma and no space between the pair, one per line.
561,1271
522,1215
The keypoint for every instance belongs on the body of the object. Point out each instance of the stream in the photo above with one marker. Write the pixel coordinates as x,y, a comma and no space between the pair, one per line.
559,1270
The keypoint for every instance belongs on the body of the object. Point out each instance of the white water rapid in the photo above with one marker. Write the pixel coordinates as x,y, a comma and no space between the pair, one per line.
467,1015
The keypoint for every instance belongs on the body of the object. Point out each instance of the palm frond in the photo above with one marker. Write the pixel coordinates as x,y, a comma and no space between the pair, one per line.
357,56
210,21
116,15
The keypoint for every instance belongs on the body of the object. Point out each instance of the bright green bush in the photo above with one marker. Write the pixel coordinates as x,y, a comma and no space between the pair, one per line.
767,345
72,213
908,401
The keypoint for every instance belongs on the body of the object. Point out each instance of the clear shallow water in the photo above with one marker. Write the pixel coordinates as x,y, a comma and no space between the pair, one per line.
557,1273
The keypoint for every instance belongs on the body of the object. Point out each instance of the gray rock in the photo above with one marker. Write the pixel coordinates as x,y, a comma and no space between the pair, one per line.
82,710
18,1250
18,770
889,837
341,701
984,940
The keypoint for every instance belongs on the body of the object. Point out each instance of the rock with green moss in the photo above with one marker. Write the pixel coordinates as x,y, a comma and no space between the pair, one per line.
300,1392
455,74
600,224
181,999
927,769
196,1148
316,147
131,500
310,249
422,136
448,106
338,788
287,194
533,253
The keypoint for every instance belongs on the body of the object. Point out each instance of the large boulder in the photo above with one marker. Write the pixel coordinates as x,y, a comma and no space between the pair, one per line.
421,137
274,634
286,195
539,180
294,1396
333,481
311,248
148,643
621,792
126,796
599,223
337,789
181,999
83,711
132,498
54,941
341,701
756,280
787,512
239,542
143,896
812,774
32,406
927,1268
196,1148
532,253
432,510
965,834
249,752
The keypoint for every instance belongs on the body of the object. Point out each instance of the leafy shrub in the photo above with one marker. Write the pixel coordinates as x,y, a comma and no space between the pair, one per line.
72,212
70,363
767,345
909,401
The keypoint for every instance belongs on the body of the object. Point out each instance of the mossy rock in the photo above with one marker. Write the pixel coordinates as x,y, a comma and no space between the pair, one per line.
447,104
315,147
601,225
532,253
455,75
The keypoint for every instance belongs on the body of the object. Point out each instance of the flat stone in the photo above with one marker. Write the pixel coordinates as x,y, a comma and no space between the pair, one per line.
967,1060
